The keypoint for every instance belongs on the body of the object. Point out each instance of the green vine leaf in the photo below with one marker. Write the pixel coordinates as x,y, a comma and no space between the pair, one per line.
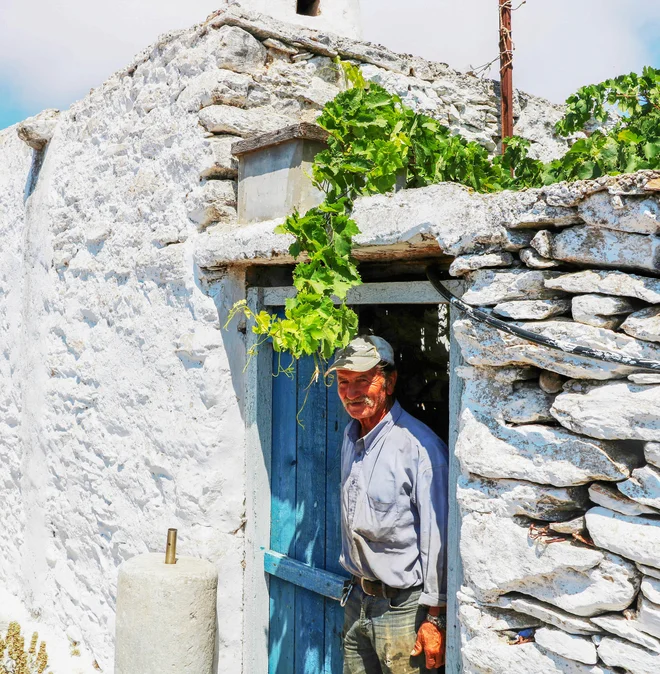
376,143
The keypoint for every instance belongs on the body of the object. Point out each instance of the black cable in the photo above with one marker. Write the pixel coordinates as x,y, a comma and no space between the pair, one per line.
482,317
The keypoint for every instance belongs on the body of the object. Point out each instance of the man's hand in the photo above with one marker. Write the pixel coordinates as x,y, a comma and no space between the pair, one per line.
432,640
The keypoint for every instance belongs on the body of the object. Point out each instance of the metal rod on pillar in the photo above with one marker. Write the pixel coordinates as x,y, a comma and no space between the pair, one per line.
506,70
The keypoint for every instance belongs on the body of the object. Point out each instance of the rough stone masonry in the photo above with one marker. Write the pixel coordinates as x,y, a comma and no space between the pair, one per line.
122,402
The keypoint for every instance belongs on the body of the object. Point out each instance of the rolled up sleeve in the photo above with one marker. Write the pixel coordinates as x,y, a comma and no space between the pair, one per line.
431,493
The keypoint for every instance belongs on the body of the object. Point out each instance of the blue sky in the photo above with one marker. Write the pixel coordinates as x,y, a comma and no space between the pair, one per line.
560,44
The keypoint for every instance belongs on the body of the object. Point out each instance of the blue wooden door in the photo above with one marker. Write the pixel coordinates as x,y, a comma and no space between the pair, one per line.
303,562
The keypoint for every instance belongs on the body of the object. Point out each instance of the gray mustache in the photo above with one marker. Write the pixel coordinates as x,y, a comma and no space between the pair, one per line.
364,399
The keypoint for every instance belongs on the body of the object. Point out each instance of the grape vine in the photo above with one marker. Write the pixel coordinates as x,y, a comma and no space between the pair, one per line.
376,140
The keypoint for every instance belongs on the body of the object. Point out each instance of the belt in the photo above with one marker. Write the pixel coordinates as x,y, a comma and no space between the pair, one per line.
376,588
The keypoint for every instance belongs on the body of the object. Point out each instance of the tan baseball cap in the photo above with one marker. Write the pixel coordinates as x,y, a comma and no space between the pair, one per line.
363,353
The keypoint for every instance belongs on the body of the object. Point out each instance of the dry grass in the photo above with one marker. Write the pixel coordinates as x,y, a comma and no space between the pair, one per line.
14,659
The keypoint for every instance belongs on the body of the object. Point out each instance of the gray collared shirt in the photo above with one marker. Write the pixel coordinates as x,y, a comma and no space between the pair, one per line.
394,505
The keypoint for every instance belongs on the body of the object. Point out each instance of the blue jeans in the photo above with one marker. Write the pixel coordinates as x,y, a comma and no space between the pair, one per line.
380,633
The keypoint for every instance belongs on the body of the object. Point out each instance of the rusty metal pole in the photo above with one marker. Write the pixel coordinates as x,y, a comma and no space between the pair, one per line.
506,70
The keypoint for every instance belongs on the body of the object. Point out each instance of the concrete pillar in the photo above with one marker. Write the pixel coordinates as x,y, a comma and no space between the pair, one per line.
336,16
166,616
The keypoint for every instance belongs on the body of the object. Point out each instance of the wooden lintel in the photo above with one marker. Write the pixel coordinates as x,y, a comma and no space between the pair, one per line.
302,131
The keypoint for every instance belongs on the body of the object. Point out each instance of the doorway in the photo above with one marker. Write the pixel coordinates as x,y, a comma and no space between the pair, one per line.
305,618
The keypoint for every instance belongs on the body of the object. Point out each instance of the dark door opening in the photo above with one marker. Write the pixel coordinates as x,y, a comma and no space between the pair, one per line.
309,7
419,335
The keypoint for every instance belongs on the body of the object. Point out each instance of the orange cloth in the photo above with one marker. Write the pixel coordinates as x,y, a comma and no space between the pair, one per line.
432,642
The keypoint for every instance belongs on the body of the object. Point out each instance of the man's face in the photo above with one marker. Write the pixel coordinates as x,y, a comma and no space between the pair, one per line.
365,394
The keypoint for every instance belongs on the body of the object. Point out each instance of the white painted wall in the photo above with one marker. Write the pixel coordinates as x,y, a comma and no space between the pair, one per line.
337,16
127,419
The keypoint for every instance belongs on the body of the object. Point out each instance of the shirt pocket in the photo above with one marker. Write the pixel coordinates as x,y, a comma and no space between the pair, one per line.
379,519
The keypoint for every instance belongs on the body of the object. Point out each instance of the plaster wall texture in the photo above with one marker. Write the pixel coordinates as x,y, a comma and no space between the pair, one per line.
122,411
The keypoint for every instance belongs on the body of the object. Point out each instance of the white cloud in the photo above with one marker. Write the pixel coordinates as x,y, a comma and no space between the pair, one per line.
53,51
560,44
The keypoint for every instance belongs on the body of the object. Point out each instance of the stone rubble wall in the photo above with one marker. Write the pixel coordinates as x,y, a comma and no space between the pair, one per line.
122,405
560,454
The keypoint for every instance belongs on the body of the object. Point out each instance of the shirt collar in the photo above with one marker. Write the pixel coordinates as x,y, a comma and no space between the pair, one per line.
384,425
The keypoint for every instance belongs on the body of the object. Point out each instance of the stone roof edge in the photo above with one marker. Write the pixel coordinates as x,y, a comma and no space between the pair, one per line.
447,218
331,45
317,42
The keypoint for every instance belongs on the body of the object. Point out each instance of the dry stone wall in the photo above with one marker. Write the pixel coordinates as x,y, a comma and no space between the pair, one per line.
560,492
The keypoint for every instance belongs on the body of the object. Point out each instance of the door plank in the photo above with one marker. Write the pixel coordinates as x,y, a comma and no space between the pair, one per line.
334,613
322,582
283,515
310,515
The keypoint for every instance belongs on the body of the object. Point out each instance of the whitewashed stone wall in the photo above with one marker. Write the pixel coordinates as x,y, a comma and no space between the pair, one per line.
122,398
560,493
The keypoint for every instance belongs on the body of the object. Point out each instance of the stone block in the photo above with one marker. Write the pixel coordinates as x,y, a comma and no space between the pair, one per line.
648,570
225,165
236,49
644,324
651,589
652,453
576,527
479,618
625,214
216,87
643,485
608,283
570,646
549,614
551,382
465,263
634,659
500,557
648,617
528,404
542,243
609,497
517,239
38,130
607,248
626,629
636,538
484,346
535,261
239,122
601,311
611,411
486,654
514,498
644,378
487,287
532,310
214,201
536,453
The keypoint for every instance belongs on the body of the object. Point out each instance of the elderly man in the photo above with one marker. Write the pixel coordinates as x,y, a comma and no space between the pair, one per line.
394,474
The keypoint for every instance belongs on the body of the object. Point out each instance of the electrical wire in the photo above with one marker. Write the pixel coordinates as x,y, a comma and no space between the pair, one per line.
528,335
